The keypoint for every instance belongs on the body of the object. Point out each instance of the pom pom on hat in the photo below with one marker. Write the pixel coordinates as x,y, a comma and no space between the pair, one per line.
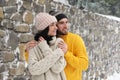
43,20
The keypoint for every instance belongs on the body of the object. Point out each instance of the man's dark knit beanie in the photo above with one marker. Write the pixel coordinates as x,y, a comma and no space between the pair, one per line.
60,16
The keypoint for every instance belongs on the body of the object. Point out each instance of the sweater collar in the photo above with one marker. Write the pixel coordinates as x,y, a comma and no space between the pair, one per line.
53,40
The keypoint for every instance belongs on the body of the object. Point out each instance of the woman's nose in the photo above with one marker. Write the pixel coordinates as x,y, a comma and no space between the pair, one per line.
55,26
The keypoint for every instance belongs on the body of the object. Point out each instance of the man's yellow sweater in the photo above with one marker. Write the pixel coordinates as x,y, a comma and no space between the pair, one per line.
76,56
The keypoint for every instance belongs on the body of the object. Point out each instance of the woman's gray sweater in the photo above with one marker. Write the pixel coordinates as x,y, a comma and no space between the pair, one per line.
47,62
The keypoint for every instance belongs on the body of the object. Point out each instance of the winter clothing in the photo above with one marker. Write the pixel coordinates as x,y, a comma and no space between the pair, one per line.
60,16
47,62
42,20
76,56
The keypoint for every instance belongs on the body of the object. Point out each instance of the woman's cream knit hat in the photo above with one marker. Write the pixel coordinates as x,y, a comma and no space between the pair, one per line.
43,20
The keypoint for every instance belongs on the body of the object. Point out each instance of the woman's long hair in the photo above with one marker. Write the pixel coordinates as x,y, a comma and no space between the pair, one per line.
44,34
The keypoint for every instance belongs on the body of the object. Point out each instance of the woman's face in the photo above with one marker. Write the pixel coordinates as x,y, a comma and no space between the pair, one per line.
52,29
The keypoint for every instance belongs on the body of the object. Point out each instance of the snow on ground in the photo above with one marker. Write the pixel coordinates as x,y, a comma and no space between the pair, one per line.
115,76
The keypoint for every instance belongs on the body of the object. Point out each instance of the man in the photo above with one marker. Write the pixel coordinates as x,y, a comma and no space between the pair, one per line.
76,56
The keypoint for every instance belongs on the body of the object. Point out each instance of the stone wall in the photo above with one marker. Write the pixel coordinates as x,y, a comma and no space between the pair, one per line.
101,36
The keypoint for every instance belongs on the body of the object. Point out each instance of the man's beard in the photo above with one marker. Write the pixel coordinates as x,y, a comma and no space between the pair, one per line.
61,33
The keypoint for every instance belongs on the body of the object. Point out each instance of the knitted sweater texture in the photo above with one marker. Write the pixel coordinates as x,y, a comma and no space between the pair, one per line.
76,56
47,62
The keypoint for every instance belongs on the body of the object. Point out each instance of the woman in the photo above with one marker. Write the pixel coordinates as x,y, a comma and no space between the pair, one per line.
46,60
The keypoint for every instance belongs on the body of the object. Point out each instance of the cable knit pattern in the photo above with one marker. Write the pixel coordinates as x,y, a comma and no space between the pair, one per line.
46,63
61,60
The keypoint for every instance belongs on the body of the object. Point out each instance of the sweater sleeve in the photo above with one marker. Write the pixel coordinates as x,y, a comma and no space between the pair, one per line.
37,65
61,63
78,58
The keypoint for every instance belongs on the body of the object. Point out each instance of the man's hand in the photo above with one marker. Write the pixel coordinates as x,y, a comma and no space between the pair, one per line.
41,39
31,44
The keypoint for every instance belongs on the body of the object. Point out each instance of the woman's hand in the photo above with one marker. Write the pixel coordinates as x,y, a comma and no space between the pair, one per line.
63,46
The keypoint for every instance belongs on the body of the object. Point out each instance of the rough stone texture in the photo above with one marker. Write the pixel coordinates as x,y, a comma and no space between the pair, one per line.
8,57
12,71
16,17
2,3
1,14
38,8
11,2
22,52
21,68
22,28
27,5
1,76
100,33
2,68
2,33
2,46
12,42
28,17
25,38
7,24
10,9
